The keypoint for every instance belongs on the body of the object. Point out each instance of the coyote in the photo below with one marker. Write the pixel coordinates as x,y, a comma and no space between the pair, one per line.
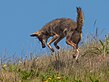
60,28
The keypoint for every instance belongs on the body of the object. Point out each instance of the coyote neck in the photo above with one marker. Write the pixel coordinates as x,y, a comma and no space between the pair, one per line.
80,20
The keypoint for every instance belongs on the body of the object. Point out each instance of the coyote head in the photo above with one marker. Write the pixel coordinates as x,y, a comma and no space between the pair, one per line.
41,38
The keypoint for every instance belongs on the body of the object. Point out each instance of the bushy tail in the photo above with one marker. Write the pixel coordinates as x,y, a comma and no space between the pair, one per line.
80,19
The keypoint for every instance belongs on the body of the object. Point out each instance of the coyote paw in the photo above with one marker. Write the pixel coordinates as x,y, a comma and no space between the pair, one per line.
56,46
43,46
74,56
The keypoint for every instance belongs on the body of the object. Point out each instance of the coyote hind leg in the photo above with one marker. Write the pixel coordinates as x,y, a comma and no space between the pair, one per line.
75,46
52,40
58,40
77,53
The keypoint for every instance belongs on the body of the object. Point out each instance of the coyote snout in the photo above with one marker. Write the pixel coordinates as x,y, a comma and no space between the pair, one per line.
41,39
60,28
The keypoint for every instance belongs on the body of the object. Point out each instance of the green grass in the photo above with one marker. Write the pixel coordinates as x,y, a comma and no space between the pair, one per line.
92,66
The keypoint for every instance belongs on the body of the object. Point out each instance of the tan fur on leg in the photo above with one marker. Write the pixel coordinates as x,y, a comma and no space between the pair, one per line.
77,55
52,40
69,42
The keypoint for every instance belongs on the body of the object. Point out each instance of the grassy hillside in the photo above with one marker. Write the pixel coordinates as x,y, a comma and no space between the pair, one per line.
92,66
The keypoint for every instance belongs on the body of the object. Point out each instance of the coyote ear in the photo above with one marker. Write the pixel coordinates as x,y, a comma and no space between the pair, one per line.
77,8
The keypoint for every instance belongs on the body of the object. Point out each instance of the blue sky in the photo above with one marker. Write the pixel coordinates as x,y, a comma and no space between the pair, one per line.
20,18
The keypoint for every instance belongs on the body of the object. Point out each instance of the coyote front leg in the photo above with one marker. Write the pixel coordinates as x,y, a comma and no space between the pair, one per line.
52,40
58,40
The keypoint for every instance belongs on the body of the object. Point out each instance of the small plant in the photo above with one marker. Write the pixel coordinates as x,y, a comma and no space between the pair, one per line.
93,79
104,46
26,74
12,68
1,79
4,67
101,48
